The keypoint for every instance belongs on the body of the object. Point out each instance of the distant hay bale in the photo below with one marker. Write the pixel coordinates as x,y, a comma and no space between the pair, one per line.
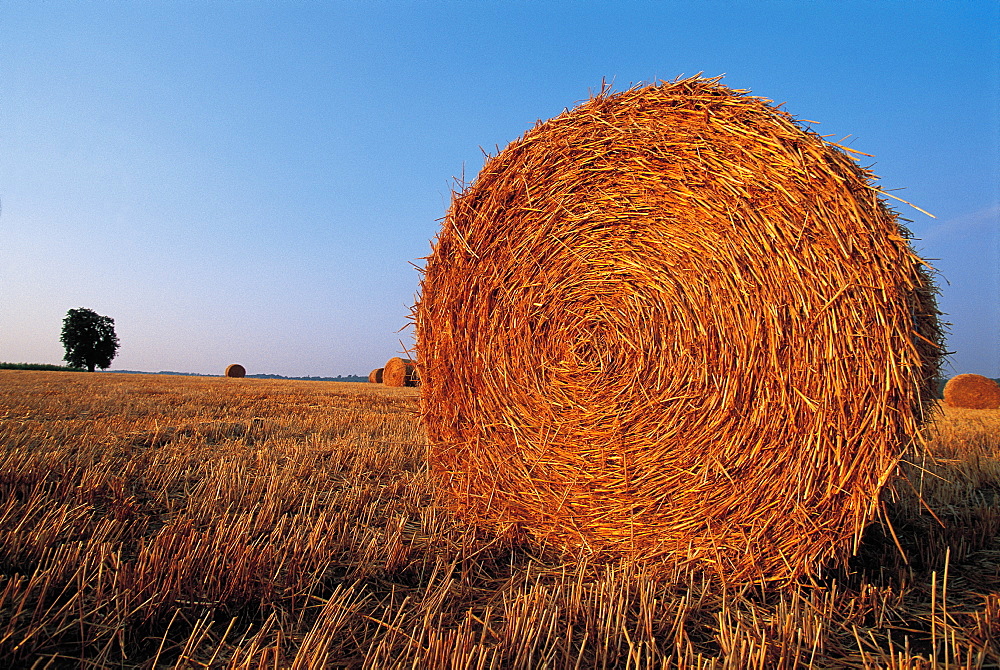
236,370
400,372
672,324
375,376
972,392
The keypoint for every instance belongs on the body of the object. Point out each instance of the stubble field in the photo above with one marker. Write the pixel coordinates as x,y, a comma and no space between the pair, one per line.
178,522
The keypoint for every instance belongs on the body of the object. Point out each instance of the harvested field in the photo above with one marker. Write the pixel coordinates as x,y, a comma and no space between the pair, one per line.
183,522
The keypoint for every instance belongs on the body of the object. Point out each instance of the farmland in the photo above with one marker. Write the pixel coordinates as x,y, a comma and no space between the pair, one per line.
182,522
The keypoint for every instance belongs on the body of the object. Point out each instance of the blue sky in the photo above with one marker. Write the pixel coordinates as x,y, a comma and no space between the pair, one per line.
250,182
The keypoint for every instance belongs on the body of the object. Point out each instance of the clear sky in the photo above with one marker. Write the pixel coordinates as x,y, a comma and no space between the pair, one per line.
250,182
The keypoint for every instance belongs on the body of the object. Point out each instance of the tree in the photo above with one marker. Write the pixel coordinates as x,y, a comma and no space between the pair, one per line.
89,339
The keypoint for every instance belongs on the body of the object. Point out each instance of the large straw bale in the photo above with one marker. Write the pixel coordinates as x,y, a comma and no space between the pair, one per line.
400,372
375,376
236,370
673,324
972,392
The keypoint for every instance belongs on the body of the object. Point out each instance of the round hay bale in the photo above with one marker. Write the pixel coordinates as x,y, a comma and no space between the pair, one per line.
673,324
236,370
400,372
972,392
375,376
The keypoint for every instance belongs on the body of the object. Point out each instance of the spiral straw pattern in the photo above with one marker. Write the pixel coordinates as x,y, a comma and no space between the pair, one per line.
400,372
672,324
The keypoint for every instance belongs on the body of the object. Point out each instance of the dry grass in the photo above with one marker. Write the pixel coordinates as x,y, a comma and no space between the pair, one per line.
673,323
375,376
172,522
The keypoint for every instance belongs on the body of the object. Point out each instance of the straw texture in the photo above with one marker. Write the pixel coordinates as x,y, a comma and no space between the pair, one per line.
972,392
672,324
375,376
400,372
236,370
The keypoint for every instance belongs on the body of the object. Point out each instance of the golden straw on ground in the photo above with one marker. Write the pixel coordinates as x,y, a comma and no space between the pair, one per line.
673,324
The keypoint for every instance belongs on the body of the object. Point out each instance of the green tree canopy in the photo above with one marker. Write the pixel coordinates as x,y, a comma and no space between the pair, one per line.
89,339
